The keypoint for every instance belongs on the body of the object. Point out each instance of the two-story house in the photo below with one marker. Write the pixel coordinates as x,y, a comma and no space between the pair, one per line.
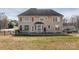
40,21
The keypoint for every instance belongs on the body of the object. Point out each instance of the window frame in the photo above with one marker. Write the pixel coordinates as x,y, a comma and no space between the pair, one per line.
55,19
58,19
20,19
26,27
41,18
20,28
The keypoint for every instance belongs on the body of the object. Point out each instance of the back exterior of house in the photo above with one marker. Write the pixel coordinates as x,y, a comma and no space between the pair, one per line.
40,20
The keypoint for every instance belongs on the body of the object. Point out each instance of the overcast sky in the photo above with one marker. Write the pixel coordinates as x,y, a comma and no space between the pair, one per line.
13,12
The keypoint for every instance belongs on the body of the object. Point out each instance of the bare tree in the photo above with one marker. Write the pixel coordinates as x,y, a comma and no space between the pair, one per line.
75,21
4,21
65,20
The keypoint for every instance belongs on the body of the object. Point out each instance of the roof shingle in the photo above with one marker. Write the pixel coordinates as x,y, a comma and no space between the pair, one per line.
40,12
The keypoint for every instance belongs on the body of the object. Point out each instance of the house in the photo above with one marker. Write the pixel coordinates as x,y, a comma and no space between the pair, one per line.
40,21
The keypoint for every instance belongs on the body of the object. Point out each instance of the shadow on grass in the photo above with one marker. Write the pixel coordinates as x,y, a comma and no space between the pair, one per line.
43,35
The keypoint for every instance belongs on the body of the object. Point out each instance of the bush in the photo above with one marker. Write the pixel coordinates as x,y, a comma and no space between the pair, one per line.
17,31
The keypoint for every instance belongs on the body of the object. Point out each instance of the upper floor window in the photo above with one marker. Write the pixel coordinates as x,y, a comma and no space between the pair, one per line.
41,19
20,19
20,28
32,19
56,19
46,18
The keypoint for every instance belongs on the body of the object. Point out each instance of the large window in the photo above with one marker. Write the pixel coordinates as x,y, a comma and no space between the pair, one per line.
26,27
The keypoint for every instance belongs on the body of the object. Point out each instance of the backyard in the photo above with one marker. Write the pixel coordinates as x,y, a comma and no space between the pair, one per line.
39,42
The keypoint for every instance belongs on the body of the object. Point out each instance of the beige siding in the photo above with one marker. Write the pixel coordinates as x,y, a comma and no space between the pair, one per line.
48,20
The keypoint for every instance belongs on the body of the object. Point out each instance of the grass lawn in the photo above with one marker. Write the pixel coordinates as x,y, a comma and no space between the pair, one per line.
39,42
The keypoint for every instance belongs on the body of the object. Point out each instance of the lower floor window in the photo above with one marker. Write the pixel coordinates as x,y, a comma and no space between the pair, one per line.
57,28
48,26
26,27
20,27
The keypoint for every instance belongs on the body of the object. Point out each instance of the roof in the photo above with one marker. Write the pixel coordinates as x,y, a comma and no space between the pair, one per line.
40,12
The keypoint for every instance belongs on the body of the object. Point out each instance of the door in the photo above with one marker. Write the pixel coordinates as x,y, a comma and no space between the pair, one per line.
39,28
44,29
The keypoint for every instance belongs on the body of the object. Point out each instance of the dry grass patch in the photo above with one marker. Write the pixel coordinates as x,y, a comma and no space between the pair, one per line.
39,42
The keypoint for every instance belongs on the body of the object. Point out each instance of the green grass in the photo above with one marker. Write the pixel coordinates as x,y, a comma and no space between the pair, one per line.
39,42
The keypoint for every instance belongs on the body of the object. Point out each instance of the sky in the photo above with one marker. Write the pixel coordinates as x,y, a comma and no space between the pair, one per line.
12,13
68,12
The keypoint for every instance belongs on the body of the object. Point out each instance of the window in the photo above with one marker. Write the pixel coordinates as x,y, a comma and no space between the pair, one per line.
27,18
20,27
58,19
46,18
48,26
57,27
20,19
54,19
41,19
32,19
26,27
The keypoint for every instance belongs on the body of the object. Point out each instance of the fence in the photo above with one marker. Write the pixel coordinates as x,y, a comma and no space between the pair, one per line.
6,31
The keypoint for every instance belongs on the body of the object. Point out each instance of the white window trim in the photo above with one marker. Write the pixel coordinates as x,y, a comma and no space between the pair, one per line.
58,19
